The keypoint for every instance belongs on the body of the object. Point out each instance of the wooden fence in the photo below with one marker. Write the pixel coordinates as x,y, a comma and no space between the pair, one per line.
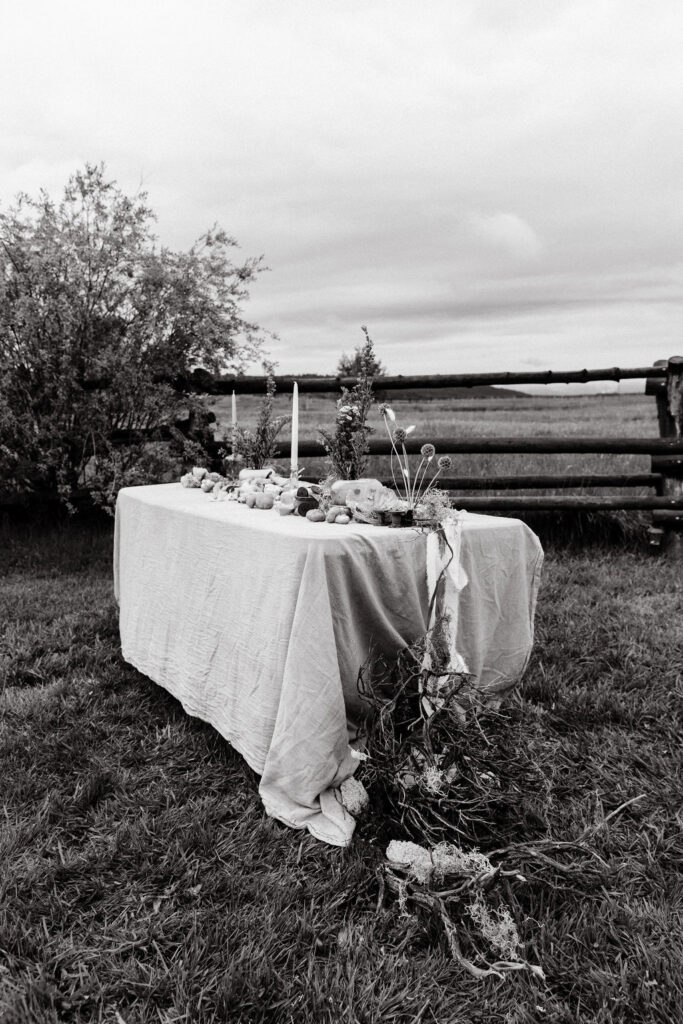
664,381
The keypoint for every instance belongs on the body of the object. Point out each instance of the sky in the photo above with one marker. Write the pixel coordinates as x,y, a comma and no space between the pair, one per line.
487,184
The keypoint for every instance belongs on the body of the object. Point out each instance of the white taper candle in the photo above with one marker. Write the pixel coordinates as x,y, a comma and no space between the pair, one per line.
295,427
234,410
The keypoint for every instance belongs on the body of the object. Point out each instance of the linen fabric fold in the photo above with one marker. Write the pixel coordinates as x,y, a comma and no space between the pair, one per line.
260,623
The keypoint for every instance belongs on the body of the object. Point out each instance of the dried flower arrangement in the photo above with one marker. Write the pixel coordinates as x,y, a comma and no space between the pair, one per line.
418,498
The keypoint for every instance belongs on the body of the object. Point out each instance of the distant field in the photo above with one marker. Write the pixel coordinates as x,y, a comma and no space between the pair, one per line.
590,415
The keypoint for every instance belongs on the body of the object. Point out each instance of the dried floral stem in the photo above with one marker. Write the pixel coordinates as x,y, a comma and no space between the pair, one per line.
407,473
415,481
395,450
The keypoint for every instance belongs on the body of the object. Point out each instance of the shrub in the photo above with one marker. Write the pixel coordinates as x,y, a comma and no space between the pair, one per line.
97,322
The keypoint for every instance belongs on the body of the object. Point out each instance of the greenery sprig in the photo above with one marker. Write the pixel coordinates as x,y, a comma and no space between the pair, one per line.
259,446
347,446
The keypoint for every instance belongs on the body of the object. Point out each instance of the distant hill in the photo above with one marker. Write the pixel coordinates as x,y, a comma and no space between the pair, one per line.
424,394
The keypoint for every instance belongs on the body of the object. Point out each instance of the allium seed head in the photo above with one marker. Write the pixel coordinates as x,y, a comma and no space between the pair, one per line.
427,451
445,462
399,435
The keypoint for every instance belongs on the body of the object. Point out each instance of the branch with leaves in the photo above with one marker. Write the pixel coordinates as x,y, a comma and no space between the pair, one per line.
257,447
347,445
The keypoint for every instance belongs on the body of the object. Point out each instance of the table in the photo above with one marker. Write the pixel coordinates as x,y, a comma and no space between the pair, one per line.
258,624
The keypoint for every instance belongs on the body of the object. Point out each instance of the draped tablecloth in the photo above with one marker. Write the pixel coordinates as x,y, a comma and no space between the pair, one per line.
259,623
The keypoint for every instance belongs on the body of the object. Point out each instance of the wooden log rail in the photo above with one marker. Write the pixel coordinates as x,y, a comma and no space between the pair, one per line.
252,385
206,383
473,445
518,446
586,502
549,482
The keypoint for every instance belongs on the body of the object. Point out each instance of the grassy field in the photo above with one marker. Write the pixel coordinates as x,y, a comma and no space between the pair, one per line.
629,415
140,880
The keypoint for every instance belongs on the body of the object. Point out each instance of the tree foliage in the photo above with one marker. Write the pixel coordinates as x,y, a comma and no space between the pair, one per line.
96,321
360,362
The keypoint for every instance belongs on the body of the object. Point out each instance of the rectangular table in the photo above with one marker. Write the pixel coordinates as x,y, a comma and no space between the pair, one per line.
259,624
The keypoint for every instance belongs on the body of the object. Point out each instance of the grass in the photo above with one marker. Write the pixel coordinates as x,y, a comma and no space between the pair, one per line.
628,415
141,881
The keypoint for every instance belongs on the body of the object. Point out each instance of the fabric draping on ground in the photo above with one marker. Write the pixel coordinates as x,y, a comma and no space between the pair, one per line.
259,623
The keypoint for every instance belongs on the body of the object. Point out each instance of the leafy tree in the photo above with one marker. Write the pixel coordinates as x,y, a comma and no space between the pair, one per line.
360,362
96,321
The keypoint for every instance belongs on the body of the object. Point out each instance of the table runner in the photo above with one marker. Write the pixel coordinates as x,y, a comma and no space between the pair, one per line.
259,624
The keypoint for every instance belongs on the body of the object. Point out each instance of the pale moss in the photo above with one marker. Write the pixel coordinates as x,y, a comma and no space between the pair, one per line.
497,927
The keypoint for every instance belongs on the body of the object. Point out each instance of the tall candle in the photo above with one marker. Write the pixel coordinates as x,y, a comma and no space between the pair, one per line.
295,427
234,410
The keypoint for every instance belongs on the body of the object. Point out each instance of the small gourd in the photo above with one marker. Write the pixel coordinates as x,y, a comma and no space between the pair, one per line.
334,511
264,500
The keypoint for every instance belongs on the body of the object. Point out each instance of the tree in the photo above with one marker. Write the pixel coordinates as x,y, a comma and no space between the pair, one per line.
352,366
96,321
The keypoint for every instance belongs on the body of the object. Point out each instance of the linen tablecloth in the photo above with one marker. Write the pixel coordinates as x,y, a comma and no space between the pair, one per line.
259,624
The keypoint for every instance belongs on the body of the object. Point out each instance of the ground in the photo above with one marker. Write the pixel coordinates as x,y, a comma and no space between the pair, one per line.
141,881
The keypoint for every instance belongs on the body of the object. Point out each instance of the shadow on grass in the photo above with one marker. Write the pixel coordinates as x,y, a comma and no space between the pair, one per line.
47,539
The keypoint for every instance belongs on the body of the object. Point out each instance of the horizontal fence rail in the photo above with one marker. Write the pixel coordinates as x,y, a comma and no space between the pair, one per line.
464,445
256,385
548,502
502,483
206,383
517,446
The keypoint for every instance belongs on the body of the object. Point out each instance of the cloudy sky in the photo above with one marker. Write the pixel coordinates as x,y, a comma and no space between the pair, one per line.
486,184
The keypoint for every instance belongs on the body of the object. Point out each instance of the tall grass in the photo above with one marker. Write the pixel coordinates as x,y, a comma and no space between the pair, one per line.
537,416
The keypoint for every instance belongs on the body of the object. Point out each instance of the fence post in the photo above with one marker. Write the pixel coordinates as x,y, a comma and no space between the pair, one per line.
667,527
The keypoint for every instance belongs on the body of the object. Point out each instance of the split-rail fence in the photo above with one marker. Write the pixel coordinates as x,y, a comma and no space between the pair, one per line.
664,381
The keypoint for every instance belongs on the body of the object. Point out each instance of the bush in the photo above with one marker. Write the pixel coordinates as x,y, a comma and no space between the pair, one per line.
97,322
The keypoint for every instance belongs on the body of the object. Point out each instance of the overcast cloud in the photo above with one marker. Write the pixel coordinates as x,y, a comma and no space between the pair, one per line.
486,185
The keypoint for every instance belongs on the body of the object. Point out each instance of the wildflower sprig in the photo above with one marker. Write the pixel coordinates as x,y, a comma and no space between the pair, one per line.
347,445
411,488
258,447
